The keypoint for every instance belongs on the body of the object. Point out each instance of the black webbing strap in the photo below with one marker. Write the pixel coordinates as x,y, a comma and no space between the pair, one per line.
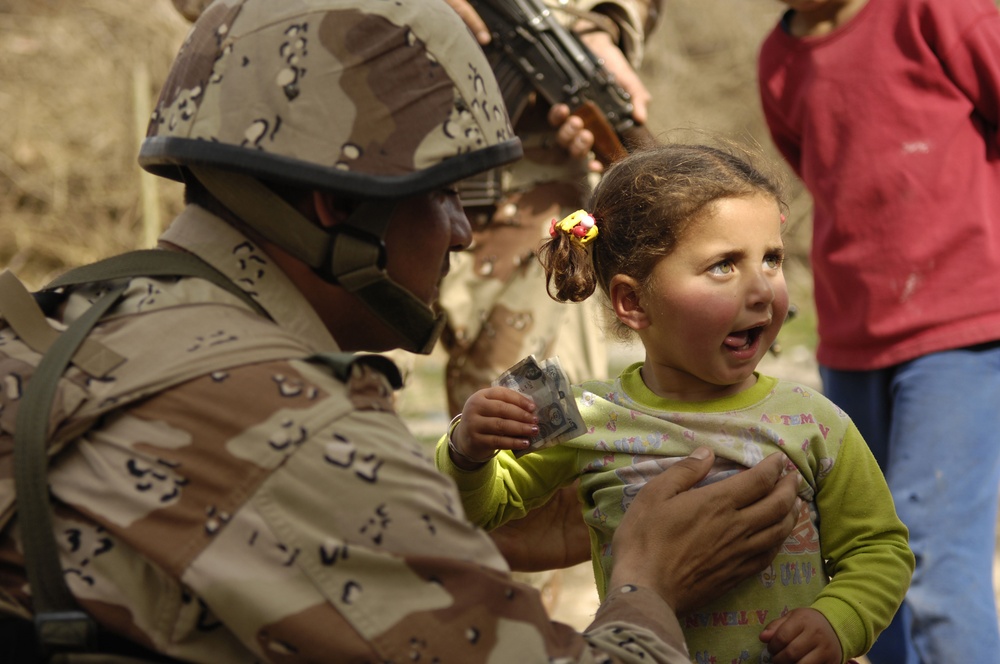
60,625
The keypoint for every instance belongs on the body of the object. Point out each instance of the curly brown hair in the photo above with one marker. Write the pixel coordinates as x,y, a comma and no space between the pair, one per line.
643,205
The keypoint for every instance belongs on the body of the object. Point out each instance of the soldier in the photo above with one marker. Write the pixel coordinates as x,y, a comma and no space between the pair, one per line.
498,309
226,484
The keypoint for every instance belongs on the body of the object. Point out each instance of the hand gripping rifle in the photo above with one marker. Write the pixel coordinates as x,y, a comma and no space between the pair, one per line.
531,52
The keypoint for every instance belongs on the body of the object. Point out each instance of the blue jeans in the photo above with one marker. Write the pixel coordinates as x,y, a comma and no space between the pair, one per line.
933,424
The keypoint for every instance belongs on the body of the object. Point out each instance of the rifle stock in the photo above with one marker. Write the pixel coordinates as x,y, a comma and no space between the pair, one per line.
609,144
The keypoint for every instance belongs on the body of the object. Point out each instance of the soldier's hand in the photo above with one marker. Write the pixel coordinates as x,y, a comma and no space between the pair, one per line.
693,544
570,132
552,536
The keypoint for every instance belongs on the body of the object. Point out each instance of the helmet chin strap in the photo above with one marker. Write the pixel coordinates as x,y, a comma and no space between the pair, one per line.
351,255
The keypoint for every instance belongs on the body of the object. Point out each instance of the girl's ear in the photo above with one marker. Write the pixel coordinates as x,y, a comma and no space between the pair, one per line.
626,303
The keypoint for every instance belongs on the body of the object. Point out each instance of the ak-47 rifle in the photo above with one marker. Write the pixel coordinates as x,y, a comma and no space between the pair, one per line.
531,52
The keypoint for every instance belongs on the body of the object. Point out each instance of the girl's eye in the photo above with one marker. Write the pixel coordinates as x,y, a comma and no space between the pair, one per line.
724,267
773,261
449,191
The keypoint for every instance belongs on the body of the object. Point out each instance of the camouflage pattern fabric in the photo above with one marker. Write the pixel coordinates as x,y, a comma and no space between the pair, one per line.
495,298
299,59
497,306
269,512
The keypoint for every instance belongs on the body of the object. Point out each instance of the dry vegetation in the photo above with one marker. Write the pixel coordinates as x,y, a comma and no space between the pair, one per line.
69,71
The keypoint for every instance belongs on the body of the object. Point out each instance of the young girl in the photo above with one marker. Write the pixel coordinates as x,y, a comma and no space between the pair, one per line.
685,242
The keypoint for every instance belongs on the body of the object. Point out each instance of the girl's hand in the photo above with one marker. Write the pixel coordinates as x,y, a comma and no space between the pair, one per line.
802,636
495,418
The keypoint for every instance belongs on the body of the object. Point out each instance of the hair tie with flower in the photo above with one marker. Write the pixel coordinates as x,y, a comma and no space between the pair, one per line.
579,225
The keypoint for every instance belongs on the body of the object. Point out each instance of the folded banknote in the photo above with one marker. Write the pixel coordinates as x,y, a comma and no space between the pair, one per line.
546,383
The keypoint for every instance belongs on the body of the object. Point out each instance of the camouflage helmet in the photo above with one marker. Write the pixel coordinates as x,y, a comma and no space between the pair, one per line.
369,99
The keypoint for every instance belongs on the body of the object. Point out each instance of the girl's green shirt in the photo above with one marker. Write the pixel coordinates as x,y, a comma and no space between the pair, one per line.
848,556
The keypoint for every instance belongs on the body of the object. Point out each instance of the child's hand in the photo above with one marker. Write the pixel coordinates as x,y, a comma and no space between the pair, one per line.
496,418
802,636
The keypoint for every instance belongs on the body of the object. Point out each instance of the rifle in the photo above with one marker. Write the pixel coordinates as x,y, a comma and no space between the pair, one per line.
531,52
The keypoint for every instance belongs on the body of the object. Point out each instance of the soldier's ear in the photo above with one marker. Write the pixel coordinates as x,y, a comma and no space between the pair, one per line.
330,209
624,293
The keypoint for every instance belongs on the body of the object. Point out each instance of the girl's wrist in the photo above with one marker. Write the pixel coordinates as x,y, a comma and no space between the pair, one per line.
456,455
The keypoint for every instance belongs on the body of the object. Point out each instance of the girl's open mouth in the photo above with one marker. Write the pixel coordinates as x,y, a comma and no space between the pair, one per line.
745,339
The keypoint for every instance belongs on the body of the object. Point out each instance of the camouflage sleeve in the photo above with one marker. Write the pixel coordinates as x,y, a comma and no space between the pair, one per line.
636,623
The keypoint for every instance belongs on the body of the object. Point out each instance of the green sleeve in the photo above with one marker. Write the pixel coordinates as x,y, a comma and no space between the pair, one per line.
507,488
865,546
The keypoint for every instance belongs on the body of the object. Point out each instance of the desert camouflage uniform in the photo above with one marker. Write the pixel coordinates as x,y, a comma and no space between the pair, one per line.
262,509
268,511
495,298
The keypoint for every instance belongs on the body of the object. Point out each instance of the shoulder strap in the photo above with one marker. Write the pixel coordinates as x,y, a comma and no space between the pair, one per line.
153,263
59,623
27,320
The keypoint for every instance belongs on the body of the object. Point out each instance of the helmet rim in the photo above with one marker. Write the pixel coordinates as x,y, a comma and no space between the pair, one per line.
168,157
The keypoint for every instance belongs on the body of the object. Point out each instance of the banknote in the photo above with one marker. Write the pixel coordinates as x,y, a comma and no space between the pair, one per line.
546,384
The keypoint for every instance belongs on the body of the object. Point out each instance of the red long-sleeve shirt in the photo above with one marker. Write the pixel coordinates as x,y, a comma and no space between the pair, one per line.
891,122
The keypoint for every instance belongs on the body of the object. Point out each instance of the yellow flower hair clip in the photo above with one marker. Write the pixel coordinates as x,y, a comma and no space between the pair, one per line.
580,225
